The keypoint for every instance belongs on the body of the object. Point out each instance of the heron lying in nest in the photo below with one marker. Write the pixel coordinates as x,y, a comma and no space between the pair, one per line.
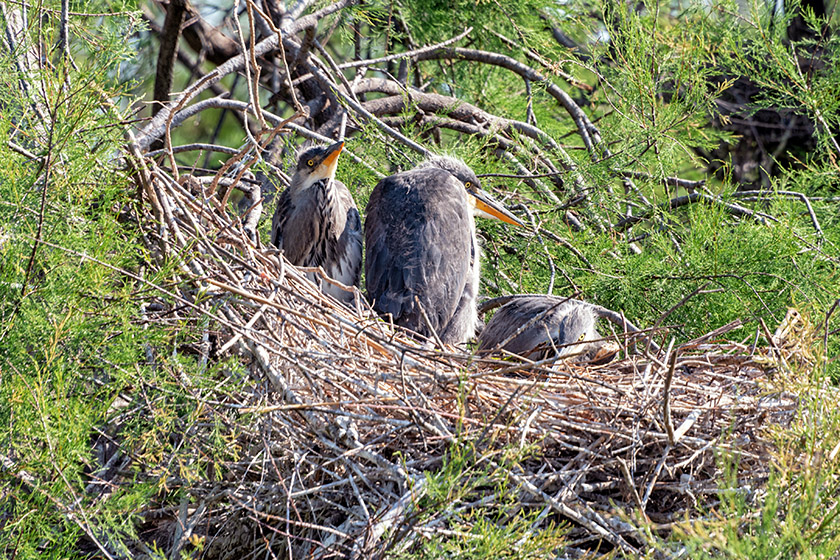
540,327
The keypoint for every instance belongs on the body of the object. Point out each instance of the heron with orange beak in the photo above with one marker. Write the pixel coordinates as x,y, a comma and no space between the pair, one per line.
421,250
316,222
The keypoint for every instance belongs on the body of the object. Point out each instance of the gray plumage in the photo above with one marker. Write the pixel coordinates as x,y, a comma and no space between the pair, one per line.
421,251
316,222
546,326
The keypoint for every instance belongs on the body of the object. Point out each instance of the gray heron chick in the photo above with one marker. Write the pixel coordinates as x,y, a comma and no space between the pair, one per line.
421,250
316,222
538,327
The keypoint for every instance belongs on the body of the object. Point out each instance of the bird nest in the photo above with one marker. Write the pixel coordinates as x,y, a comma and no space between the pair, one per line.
341,419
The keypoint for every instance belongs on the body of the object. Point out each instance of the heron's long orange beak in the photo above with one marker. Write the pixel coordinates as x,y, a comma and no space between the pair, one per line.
492,208
331,159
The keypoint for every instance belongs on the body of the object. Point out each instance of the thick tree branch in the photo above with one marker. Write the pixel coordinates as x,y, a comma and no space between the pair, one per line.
168,49
588,132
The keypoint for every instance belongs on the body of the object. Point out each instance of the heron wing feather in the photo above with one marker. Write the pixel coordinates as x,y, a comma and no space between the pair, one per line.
418,241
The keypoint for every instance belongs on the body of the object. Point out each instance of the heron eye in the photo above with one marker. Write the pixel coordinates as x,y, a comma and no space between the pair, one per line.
468,184
581,337
310,163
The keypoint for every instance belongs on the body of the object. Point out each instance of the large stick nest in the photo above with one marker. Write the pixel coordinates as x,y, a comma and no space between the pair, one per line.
342,418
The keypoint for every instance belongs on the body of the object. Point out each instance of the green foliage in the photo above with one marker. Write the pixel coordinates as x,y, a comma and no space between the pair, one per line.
72,342
794,513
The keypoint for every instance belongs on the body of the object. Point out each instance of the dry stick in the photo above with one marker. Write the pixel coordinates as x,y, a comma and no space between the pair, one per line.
23,151
196,146
414,414
666,394
679,201
141,170
670,181
297,523
270,23
253,89
46,166
248,63
428,322
180,528
628,479
770,340
527,426
259,148
668,421
251,322
656,472
191,266
731,326
393,517
563,509
760,195
332,67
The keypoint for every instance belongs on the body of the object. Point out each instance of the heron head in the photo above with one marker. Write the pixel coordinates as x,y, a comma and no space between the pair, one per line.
482,202
577,329
315,164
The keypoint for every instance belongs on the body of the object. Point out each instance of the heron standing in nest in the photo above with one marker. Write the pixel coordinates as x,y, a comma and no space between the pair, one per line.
538,327
316,222
421,250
